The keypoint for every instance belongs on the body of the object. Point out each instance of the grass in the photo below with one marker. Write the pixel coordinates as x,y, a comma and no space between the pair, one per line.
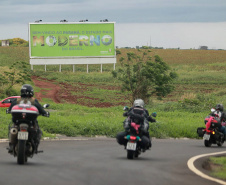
219,169
200,85
76,120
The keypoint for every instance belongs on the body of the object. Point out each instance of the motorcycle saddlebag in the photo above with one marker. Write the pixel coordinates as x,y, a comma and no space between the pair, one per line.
200,131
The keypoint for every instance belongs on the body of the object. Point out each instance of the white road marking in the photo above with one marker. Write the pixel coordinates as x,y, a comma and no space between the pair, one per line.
191,166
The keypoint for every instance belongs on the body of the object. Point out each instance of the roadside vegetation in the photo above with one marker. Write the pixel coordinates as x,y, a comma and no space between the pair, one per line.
200,85
141,76
17,42
218,167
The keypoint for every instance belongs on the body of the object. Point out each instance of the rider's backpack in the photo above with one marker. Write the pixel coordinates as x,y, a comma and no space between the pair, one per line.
137,115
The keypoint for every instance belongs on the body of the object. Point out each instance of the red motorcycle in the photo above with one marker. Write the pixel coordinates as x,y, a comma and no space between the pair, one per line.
211,133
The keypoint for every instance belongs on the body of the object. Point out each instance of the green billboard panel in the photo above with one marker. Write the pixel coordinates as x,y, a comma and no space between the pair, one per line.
60,40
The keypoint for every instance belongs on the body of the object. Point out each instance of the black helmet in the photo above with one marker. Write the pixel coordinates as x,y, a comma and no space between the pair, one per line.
27,91
220,107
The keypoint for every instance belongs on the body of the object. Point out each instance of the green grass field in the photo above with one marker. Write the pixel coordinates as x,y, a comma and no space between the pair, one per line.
201,84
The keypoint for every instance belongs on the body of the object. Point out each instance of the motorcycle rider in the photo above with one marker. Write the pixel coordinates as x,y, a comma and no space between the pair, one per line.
27,94
142,114
219,110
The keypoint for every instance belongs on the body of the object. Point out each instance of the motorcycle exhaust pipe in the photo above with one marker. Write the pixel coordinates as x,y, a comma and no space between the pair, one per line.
13,135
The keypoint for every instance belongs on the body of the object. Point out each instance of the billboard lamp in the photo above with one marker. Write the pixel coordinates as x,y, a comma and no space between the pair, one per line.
83,20
38,21
105,20
63,20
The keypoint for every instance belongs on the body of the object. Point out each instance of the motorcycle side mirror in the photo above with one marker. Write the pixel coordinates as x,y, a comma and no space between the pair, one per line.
213,110
154,114
7,111
126,108
46,105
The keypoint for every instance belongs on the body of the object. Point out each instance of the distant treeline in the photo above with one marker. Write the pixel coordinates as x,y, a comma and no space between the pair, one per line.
16,42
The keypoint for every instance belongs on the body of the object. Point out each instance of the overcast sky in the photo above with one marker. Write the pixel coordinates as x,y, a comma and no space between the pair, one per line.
160,23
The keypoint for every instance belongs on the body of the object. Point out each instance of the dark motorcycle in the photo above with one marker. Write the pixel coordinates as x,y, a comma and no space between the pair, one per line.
134,129
24,131
211,133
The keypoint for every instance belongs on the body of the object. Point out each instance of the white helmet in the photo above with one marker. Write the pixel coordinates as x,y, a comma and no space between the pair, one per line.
138,103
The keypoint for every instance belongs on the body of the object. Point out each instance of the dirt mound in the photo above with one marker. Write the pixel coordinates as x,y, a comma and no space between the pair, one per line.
62,92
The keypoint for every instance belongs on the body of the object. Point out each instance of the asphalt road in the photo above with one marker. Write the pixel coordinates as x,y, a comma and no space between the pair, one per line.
101,161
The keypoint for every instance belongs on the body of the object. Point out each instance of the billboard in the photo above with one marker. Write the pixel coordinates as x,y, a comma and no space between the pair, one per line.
69,40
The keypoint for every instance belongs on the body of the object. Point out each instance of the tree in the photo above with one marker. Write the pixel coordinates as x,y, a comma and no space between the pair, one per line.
18,73
141,77
19,41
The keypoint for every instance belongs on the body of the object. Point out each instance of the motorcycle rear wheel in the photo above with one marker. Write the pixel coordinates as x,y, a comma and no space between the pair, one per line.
207,143
130,154
21,158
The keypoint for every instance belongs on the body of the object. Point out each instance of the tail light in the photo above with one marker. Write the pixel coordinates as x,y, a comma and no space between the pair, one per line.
23,129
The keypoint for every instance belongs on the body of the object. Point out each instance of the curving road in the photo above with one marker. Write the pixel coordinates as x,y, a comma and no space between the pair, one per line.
101,161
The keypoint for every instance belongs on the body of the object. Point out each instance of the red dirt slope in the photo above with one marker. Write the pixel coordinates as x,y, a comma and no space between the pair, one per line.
61,92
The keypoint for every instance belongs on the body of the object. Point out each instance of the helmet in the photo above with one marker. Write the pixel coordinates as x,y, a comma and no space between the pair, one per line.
220,107
138,103
27,91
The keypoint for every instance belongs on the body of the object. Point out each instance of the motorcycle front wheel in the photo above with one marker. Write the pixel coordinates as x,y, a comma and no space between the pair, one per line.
21,158
220,143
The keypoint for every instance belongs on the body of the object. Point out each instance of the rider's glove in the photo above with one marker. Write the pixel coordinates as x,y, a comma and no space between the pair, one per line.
47,114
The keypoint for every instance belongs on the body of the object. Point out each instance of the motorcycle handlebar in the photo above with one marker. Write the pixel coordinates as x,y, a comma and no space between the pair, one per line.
46,115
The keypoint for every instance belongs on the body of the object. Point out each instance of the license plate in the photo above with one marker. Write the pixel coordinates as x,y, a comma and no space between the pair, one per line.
22,136
131,146
206,137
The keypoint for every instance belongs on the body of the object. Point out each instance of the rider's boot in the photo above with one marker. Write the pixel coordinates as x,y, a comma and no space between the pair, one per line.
10,148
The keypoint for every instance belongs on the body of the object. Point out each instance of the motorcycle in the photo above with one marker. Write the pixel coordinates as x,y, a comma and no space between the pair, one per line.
211,133
24,133
133,125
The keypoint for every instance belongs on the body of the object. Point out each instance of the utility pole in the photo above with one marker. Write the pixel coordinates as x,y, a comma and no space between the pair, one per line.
150,41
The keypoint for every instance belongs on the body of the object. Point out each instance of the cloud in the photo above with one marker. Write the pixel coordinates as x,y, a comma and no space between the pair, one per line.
164,23
127,11
172,35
